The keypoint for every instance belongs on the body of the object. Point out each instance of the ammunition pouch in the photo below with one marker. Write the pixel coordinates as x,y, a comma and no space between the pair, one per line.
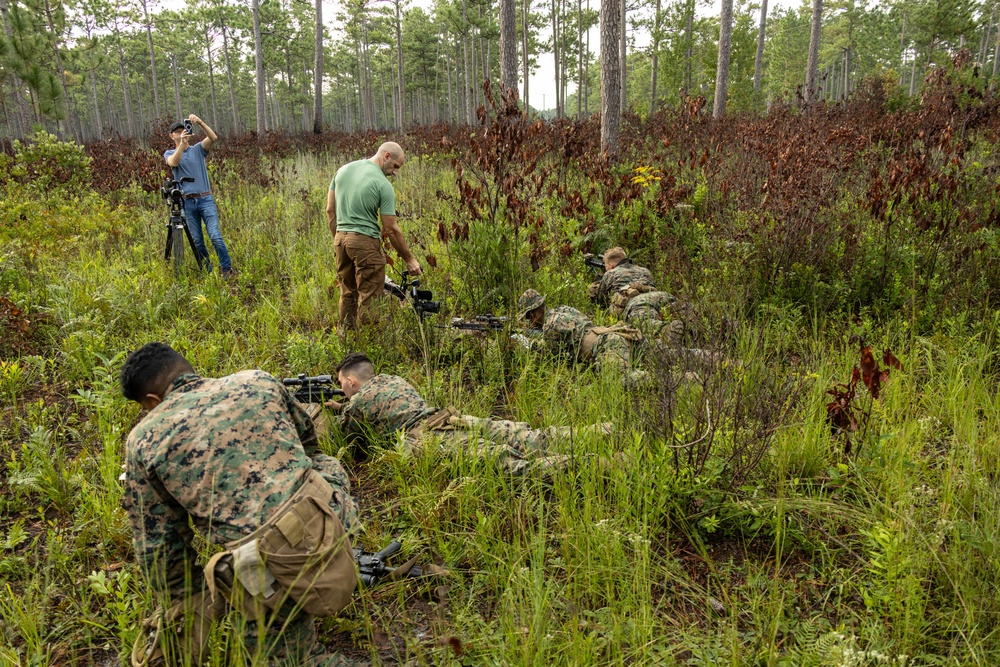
301,553
592,335
621,298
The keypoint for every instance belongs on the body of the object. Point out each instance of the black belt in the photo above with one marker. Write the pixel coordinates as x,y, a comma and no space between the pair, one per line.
200,194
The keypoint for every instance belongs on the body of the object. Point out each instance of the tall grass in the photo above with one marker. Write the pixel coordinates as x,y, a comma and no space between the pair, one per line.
630,556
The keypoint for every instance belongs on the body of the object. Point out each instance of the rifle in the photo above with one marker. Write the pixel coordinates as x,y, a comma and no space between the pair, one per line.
420,298
317,389
595,263
372,566
487,322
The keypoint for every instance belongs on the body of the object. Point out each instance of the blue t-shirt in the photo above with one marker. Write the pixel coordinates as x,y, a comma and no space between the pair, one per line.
192,165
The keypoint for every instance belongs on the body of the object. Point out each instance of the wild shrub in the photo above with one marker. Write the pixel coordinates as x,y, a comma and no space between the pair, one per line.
44,164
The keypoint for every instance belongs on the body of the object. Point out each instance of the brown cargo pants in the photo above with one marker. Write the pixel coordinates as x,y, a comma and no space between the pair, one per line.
360,273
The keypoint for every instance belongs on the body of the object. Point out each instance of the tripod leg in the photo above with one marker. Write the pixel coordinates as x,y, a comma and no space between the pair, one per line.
170,241
194,250
178,251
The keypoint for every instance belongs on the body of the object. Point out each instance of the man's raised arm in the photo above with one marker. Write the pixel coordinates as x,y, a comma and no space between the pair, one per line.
210,136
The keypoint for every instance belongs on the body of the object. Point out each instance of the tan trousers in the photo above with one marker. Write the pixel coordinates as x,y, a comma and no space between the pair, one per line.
361,274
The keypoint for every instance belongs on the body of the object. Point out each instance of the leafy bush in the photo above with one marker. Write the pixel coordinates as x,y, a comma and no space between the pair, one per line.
45,163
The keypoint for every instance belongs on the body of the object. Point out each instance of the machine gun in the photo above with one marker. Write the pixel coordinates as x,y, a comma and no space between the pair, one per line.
317,389
420,298
595,263
372,566
487,322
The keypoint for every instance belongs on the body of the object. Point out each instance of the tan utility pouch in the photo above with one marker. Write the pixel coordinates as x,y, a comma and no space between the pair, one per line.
305,553
621,298
587,344
590,338
442,420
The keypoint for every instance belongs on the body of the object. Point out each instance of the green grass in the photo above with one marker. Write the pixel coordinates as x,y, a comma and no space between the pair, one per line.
887,556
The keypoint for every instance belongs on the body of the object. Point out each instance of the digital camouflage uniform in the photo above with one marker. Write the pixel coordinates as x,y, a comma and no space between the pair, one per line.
630,291
618,278
564,328
387,404
223,453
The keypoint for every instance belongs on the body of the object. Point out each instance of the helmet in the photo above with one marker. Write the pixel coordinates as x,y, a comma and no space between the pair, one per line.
530,300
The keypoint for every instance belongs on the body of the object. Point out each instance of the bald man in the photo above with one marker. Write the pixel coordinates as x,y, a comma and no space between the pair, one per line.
360,206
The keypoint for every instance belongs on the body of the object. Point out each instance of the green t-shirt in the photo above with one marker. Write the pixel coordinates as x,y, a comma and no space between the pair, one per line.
363,193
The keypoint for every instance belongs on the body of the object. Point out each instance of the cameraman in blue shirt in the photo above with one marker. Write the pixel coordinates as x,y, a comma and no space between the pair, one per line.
188,161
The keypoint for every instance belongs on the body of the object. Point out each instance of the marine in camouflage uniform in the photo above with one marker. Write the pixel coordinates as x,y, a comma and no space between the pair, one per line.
566,329
380,406
631,293
223,454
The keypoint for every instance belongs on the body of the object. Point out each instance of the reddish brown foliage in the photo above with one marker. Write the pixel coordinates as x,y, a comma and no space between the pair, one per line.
844,415
15,331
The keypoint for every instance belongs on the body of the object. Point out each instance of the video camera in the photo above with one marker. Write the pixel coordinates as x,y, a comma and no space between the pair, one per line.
316,389
172,192
420,298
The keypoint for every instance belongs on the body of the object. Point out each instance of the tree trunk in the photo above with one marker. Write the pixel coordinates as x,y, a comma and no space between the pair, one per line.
258,48
305,95
610,79
398,109
902,52
688,44
142,111
229,77
288,87
152,61
524,50
623,59
996,59
508,46
758,63
656,60
465,55
586,99
20,105
59,66
451,109
97,108
847,73
722,67
555,52
177,86
813,62
318,72
211,78
121,69
384,121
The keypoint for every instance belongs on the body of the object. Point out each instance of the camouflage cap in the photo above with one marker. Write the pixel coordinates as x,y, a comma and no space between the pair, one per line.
530,300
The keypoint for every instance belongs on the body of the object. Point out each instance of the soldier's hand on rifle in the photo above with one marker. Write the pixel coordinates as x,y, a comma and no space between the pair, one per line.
413,266
336,406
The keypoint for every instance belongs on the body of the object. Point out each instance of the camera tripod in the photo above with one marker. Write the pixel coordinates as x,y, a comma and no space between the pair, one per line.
175,238
177,223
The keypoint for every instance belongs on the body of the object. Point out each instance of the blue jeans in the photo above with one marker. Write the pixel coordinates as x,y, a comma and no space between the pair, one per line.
202,209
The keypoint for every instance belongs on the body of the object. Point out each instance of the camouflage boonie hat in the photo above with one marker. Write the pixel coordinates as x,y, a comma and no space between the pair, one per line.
530,300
